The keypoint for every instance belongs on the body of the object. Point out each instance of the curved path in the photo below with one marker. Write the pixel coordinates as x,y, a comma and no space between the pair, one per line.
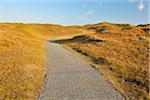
70,78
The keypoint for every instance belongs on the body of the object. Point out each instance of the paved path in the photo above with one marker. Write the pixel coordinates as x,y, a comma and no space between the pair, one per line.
70,78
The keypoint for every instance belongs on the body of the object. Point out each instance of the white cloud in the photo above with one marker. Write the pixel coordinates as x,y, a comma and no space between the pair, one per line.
98,4
141,6
89,12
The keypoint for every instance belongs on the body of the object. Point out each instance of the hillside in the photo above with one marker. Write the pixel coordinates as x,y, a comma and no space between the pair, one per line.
22,57
120,52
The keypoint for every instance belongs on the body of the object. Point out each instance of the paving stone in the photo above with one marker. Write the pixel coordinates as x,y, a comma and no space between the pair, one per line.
70,78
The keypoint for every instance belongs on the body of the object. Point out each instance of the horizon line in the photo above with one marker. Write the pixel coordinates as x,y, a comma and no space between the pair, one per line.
15,22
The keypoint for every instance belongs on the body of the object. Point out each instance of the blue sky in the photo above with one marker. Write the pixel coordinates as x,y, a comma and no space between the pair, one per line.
79,12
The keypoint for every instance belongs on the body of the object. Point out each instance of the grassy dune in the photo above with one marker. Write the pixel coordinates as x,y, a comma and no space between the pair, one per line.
120,52
22,58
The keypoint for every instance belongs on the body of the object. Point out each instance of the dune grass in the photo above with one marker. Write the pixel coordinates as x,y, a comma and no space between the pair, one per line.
121,54
21,62
119,51
22,58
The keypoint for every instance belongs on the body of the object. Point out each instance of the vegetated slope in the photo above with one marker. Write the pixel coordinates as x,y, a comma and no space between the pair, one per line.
120,52
22,58
21,62
56,30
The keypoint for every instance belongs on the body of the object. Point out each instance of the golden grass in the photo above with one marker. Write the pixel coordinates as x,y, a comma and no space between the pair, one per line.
22,62
121,53
22,58
56,30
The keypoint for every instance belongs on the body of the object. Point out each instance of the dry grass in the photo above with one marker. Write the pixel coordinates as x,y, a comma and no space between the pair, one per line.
56,30
22,58
121,53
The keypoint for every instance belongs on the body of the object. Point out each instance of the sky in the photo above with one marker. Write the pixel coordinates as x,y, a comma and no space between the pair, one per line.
77,12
